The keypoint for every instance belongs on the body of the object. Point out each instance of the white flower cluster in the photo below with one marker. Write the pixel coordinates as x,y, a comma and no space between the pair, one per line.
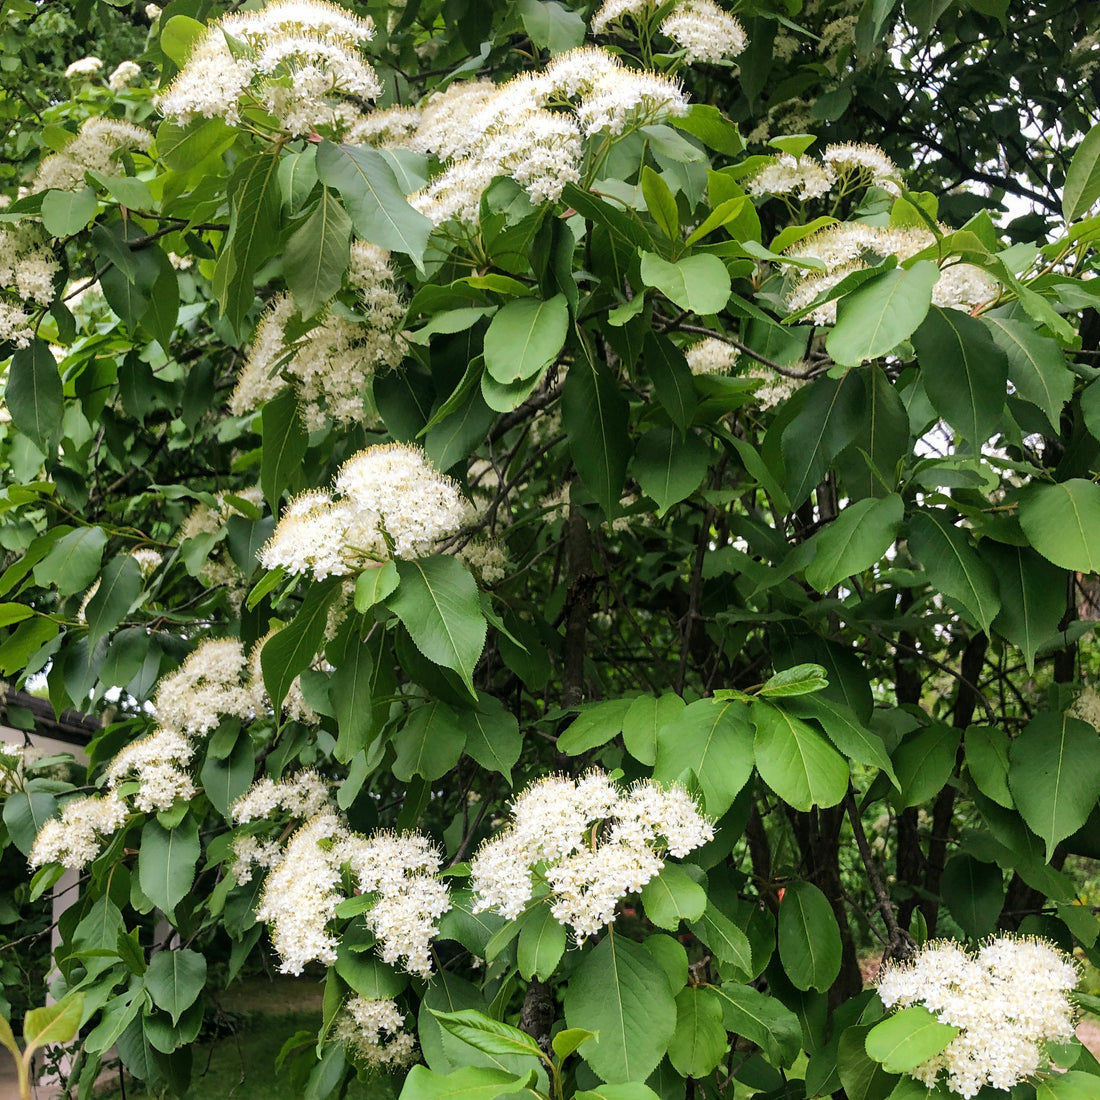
333,364
613,12
303,890
84,67
590,842
849,246
371,1030
94,149
705,31
390,495
27,270
862,164
710,356
302,795
485,558
532,127
11,767
75,837
804,177
214,681
123,76
1008,1000
298,60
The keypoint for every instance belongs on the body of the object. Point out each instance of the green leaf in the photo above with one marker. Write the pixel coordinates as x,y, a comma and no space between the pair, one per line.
673,896
56,1023
728,942
617,992
1074,1085
374,199
438,603
907,1038
160,315
881,313
120,586
698,283
809,937
317,254
855,540
375,584
569,1040
541,944
128,191
924,763
182,147
175,979
429,743
863,1078
796,761
485,1034
1082,187
1037,366
1054,775
166,861
713,740
33,395
963,371
794,681
642,722
24,815
974,892
869,465
285,443
551,26
178,37
595,725
14,613
699,1042
368,975
224,781
524,337
67,212
291,650
711,127
987,763
669,465
1062,522
596,414
355,684
255,215
661,203
825,422
493,738
762,1020
73,561
667,368
953,566
1033,596
468,1083
846,732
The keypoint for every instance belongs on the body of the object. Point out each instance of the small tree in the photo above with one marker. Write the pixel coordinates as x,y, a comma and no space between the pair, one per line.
564,549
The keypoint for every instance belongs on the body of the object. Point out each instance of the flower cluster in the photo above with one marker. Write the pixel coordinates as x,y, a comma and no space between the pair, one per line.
391,503
841,167
1008,1001
592,844
710,356
704,31
27,270
363,1027
85,66
531,128
298,60
333,364
93,149
152,773
849,246
304,887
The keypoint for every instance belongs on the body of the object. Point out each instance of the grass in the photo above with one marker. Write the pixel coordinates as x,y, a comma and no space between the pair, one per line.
241,1065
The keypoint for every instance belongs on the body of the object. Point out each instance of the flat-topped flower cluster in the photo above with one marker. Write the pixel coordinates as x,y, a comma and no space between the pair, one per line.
389,502
590,841
1009,1000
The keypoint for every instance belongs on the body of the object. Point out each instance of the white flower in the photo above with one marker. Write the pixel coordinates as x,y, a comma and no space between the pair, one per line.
302,795
705,31
93,148
126,73
868,163
152,12
84,67
75,838
614,11
157,763
1008,1001
592,843
803,177
625,97
371,1029
710,356
211,683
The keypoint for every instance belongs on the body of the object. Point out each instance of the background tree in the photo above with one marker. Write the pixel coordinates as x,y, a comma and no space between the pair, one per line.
576,519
